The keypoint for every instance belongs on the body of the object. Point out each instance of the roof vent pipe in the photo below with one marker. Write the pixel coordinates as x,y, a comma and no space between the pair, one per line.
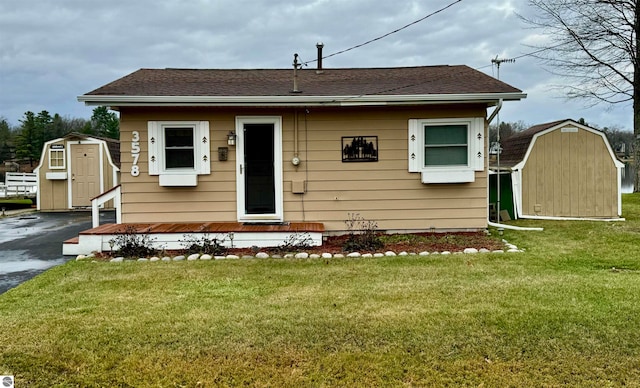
296,65
319,46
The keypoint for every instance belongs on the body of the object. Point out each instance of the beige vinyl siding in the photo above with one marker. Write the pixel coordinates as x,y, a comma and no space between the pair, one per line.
570,174
382,191
143,200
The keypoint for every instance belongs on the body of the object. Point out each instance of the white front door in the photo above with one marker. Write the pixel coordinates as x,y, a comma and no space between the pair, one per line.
259,170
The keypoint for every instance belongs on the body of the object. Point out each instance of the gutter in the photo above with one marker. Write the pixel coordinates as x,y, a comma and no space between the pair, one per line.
297,100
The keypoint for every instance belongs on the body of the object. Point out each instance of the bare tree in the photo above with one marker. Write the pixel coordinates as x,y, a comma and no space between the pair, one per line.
620,140
594,45
507,129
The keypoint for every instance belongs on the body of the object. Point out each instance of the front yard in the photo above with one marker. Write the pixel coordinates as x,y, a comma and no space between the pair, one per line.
565,312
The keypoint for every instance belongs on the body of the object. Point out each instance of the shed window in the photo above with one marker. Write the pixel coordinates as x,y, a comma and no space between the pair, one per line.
56,159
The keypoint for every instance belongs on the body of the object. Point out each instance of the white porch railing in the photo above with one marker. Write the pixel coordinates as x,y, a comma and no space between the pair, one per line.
19,184
115,194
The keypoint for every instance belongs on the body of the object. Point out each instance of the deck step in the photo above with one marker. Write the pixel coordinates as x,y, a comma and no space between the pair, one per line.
75,240
171,236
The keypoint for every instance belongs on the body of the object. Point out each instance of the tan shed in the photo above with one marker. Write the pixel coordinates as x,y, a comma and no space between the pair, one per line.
564,170
74,169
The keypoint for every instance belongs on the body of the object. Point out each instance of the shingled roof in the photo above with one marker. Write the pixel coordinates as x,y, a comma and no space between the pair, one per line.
261,85
515,147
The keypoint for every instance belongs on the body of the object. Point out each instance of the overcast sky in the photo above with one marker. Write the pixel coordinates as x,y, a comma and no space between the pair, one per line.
52,51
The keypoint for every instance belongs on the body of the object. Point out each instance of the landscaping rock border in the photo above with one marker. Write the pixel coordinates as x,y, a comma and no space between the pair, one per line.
510,248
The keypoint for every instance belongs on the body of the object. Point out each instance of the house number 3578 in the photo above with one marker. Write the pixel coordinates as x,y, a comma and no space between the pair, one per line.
135,153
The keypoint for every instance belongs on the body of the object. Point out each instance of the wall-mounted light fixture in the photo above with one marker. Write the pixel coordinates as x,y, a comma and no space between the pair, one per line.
231,138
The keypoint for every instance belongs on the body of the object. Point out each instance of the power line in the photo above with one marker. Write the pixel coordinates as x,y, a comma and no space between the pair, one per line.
495,61
388,33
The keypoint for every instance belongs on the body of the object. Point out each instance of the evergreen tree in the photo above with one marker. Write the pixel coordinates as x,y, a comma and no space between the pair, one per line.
105,123
6,140
58,127
44,130
27,139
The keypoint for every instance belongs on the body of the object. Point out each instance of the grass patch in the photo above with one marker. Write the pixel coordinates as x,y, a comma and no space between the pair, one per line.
566,312
15,203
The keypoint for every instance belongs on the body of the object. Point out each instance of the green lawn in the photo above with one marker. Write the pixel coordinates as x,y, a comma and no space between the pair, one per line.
565,313
15,203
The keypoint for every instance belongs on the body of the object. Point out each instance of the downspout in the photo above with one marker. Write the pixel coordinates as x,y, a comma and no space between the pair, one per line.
489,222
495,112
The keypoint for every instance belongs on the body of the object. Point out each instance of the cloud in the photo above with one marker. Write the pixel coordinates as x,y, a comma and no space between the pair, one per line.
53,51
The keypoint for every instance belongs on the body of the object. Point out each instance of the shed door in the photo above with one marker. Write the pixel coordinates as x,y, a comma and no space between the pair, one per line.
85,174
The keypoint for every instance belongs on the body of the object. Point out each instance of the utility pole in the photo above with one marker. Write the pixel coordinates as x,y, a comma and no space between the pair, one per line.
498,61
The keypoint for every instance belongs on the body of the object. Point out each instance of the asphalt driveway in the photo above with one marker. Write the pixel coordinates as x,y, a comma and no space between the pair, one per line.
31,243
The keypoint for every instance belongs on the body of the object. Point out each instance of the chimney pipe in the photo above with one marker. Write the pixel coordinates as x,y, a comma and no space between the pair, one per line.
319,46
296,64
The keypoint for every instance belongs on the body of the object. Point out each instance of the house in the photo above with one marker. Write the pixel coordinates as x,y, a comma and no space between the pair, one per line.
403,147
74,169
563,170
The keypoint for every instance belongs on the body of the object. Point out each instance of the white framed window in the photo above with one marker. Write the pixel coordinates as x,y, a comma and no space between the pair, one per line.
446,150
179,148
57,159
179,151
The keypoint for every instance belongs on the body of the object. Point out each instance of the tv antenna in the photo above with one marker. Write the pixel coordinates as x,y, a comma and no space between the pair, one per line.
498,61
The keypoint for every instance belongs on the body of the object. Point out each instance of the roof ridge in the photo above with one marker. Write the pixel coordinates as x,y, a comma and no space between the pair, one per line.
304,68
216,84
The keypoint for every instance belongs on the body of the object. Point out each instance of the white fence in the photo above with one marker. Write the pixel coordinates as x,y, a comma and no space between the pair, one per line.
19,184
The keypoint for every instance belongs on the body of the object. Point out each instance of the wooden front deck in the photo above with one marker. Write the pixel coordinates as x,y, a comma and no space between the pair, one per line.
207,227
171,235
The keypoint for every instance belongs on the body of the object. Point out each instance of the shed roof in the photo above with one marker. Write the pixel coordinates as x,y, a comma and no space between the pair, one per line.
261,85
113,145
515,147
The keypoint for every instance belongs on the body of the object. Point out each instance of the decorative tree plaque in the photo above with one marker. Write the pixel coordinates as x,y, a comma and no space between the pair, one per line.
360,148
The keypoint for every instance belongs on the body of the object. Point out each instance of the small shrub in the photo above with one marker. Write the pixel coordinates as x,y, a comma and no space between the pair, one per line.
295,242
362,234
203,245
129,243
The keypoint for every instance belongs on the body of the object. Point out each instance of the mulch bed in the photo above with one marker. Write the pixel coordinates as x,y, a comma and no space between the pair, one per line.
410,243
